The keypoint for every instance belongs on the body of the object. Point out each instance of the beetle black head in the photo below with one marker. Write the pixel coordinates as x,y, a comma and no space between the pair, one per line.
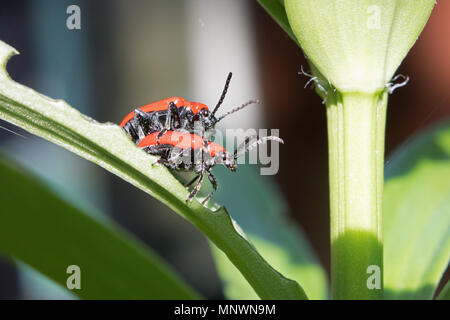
208,119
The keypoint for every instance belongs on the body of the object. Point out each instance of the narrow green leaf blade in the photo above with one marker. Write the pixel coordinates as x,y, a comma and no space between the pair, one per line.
417,215
260,210
445,293
275,9
109,147
49,234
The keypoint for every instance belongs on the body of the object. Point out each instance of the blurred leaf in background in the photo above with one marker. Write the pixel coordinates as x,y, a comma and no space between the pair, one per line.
417,215
45,232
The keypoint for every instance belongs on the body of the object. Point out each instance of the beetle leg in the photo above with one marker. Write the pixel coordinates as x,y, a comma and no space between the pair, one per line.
184,118
160,134
159,161
141,117
172,111
131,130
168,123
159,150
173,117
155,124
175,156
213,181
197,187
141,123
205,143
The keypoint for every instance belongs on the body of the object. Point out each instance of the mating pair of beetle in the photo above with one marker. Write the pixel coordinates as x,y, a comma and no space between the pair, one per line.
166,128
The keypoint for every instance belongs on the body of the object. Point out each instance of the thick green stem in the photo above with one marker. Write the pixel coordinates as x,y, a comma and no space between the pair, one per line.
356,124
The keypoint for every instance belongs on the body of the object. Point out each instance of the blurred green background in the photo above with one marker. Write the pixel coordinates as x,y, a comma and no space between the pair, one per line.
130,53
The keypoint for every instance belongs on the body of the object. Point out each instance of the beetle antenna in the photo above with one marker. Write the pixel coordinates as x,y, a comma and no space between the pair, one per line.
248,145
242,106
224,92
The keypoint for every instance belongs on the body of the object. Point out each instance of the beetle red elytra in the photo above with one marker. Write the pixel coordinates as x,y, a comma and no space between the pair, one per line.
174,147
182,140
163,105
175,113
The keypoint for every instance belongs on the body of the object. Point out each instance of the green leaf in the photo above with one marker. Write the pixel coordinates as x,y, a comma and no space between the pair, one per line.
108,146
260,210
49,234
445,293
275,8
416,215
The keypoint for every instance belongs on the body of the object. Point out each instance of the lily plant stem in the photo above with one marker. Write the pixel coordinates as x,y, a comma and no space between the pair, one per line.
356,131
